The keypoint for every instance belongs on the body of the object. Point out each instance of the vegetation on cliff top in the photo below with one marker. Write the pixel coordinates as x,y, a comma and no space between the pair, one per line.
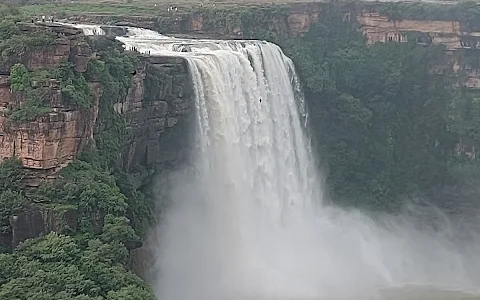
15,44
219,15
34,86
12,198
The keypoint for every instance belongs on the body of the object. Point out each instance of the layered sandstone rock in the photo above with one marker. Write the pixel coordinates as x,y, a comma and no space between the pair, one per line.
157,121
378,28
53,140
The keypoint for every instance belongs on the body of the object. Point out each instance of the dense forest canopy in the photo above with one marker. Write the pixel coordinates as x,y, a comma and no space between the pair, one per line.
384,119
387,117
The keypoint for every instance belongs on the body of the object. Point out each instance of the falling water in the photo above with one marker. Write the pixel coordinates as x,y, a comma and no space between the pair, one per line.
248,222
89,29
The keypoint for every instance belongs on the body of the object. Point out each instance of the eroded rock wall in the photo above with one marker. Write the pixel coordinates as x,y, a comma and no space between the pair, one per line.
158,111
157,107
378,28
51,141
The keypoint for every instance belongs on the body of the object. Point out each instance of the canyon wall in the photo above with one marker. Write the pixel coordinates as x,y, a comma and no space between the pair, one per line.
51,141
289,20
452,34
156,111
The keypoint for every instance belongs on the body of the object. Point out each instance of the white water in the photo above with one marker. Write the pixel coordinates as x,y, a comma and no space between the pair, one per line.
88,29
248,222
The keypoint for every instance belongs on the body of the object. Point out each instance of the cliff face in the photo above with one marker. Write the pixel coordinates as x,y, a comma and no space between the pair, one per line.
158,113
51,141
156,110
378,28
67,45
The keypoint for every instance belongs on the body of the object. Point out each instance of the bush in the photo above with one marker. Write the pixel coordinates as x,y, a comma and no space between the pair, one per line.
57,267
12,199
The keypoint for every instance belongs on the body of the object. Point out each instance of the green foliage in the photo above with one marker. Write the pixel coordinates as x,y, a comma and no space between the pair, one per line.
379,112
73,86
8,11
19,45
464,115
11,202
114,71
35,96
117,230
89,188
63,9
91,265
140,207
58,267
258,22
129,293
34,104
11,175
8,29
12,199
19,78
15,43
33,107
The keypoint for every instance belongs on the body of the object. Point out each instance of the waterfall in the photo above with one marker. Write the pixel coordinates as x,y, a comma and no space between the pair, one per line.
247,221
88,29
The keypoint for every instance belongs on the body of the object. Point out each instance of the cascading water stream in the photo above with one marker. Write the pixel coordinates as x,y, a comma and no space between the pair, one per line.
247,222
88,29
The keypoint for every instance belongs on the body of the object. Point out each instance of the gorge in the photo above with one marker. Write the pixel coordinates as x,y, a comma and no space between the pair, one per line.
245,213
251,222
